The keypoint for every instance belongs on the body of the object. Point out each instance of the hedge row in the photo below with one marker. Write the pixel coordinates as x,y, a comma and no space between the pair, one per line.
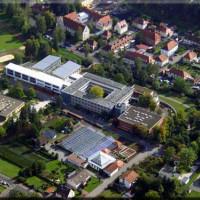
14,158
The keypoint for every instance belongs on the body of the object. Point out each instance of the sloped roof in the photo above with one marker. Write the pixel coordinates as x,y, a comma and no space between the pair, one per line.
122,23
107,33
74,25
170,45
92,42
111,167
191,55
105,20
140,21
161,58
73,16
50,134
179,72
150,34
95,16
79,177
134,55
129,176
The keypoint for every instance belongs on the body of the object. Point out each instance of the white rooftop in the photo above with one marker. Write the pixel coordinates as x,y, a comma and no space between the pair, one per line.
46,62
65,70
36,74
101,160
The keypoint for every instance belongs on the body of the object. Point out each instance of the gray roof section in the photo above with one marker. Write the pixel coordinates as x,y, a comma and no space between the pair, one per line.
66,70
120,91
8,105
47,62
50,134
137,115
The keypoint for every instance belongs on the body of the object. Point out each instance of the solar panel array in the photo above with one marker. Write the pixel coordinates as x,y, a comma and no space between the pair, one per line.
86,142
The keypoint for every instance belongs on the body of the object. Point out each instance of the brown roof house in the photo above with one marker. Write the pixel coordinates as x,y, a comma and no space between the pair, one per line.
106,35
72,24
130,58
121,43
140,23
192,40
93,44
175,73
121,27
78,179
150,38
76,160
111,169
164,31
189,57
38,8
128,178
170,48
99,21
161,60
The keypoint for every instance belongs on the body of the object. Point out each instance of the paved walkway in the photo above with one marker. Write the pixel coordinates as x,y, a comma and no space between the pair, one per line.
138,158
176,101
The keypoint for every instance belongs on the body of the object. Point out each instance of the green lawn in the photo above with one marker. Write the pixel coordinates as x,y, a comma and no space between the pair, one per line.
1,189
52,165
8,169
35,181
69,55
193,195
110,194
92,184
8,41
176,106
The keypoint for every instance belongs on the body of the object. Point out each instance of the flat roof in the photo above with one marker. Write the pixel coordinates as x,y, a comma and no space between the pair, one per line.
46,62
135,115
8,105
119,91
66,69
36,74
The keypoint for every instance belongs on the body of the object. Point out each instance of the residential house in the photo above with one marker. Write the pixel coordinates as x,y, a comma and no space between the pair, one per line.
128,179
93,44
150,38
100,160
139,23
38,9
106,35
192,40
130,58
43,140
130,193
175,73
65,192
164,31
76,160
101,22
170,48
111,169
190,57
72,24
161,60
83,17
143,47
49,191
121,27
78,179
121,43
50,134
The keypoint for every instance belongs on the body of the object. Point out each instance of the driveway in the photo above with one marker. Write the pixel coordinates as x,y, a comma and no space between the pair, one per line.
196,184
138,158
42,104
178,58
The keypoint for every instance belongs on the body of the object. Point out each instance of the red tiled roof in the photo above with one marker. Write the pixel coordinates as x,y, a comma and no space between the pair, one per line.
170,45
162,28
118,43
134,55
107,33
76,159
105,20
106,150
120,163
130,176
142,46
161,58
140,21
73,16
179,72
74,25
92,42
111,167
191,55
151,35
117,143
50,190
